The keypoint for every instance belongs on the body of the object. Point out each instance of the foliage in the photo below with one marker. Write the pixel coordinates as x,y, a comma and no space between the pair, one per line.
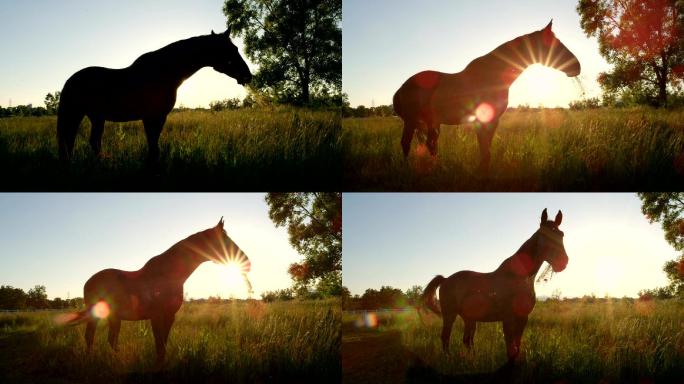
227,104
668,209
314,224
363,111
260,148
643,40
37,297
286,294
52,102
590,103
237,342
296,43
546,150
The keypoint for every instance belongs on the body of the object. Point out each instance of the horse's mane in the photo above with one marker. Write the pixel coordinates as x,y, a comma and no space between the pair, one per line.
503,50
175,248
181,50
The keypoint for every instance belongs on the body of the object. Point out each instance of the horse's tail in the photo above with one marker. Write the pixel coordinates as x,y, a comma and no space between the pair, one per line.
74,318
396,103
428,297
69,118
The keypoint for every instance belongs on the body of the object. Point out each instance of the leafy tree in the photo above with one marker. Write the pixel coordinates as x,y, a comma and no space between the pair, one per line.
413,294
643,39
12,298
37,297
314,225
296,43
52,102
668,209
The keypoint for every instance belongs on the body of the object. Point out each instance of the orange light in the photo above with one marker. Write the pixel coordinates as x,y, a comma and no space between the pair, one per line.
484,112
100,310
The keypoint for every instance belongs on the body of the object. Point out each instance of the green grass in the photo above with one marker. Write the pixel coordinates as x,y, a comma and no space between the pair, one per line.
238,342
614,341
548,150
281,148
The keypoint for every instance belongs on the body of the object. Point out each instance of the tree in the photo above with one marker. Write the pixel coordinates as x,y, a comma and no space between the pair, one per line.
668,209
643,39
296,43
52,102
413,294
12,298
37,297
314,225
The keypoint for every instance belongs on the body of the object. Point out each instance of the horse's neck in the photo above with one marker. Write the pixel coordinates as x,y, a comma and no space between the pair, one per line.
175,62
525,263
177,263
503,64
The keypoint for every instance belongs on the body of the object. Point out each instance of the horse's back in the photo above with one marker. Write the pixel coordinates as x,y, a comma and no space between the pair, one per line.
415,94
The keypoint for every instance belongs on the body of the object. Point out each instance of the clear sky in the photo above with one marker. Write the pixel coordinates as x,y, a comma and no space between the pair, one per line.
405,239
45,42
387,41
60,240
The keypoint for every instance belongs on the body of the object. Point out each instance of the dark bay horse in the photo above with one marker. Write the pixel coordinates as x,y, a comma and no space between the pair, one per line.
155,291
479,93
505,295
146,90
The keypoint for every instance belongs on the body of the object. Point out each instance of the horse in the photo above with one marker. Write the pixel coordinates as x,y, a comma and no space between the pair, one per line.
479,93
145,90
506,294
155,291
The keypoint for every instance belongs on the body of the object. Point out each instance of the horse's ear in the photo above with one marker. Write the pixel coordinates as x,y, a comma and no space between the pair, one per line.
227,33
559,218
212,32
548,27
544,217
220,223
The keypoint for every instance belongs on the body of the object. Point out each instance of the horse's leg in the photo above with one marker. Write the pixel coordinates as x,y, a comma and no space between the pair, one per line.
96,130
406,138
67,128
432,136
484,138
90,332
520,323
509,330
448,318
153,128
114,327
469,333
160,327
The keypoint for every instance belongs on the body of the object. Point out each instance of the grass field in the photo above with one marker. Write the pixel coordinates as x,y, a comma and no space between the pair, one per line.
617,341
547,150
209,343
274,149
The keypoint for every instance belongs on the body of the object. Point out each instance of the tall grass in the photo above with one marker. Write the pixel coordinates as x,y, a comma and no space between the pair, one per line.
547,150
280,148
613,341
237,342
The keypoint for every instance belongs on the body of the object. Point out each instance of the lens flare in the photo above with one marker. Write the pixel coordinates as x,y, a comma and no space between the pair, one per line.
484,112
100,310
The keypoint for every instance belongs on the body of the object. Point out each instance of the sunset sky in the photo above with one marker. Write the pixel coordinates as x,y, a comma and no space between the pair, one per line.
45,42
60,240
405,239
387,41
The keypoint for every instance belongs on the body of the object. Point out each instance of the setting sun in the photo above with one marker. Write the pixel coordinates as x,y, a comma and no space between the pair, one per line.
540,85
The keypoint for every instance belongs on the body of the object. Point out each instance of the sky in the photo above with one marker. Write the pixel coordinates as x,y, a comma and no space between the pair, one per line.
387,41
403,239
45,42
61,240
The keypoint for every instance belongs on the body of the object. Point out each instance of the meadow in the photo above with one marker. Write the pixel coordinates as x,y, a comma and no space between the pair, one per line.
613,341
267,148
237,342
533,150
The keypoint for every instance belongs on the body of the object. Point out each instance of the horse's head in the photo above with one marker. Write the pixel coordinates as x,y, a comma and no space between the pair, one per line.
553,53
550,242
221,249
227,59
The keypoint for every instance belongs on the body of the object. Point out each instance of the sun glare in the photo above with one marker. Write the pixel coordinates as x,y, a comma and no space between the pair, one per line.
100,310
540,85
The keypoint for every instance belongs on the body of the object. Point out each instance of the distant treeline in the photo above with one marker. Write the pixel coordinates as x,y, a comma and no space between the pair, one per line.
303,293
35,298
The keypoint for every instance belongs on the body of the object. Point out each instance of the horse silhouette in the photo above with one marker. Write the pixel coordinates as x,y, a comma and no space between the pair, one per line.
155,291
146,90
477,94
506,294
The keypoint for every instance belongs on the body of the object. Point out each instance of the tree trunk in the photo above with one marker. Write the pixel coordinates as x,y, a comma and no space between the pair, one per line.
662,82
